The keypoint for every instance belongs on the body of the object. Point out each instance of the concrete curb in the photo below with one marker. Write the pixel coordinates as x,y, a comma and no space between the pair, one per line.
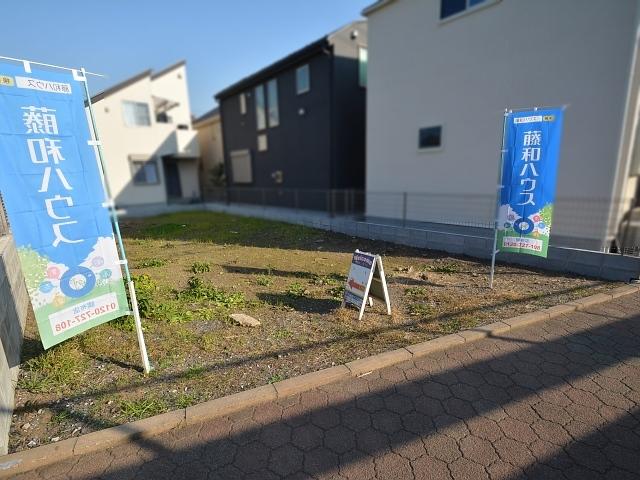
24,461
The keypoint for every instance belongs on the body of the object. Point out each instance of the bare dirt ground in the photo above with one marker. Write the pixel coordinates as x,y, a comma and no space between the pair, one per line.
194,269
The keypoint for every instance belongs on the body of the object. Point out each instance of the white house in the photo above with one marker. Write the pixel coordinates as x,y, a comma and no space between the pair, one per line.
441,73
209,130
150,149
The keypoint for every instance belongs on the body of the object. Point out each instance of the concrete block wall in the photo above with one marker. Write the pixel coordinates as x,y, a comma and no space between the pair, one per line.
590,263
14,302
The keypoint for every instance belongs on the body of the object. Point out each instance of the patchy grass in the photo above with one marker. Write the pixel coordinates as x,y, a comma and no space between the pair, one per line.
290,278
296,289
447,267
276,377
151,263
141,408
55,370
200,267
264,280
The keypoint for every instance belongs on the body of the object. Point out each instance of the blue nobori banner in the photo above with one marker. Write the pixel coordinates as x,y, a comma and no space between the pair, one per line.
55,201
532,150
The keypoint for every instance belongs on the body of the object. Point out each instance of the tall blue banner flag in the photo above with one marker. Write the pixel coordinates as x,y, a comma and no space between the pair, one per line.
54,197
532,150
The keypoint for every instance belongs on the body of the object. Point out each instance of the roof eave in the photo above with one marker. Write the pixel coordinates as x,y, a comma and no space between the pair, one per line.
375,7
276,67
119,86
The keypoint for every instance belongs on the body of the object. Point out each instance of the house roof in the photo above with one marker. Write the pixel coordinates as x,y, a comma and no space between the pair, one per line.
119,86
376,6
282,64
129,81
168,69
206,116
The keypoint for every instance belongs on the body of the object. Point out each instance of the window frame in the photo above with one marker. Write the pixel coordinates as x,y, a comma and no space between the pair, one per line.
435,148
245,154
362,48
242,98
262,142
135,104
273,107
260,102
144,162
469,9
306,67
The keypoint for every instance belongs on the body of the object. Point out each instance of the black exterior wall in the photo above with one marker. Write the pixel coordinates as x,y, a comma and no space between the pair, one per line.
320,140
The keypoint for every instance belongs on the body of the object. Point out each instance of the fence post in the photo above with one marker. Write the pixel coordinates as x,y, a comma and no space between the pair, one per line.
404,209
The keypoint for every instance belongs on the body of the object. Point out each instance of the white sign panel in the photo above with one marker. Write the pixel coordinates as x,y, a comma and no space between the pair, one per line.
366,281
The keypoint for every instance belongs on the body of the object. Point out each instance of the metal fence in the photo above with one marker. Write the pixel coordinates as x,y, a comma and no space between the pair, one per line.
578,222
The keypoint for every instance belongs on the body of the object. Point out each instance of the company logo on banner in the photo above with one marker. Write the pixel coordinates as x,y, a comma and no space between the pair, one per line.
532,145
54,196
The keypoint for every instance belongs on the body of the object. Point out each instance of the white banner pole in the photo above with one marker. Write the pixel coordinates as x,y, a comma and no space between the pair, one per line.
495,250
116,226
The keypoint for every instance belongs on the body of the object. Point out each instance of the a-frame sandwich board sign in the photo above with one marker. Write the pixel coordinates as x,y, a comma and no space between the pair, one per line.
366,281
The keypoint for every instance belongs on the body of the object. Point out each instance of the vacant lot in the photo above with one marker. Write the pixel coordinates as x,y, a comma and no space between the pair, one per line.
194,269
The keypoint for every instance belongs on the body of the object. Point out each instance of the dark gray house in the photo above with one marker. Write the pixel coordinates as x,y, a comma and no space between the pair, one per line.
299,124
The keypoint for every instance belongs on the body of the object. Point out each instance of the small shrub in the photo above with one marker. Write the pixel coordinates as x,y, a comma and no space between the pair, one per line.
141,408
152,262
198,290
297,290
264,280
200,267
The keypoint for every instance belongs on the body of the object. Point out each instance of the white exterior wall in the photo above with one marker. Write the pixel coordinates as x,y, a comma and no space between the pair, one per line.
119,141
463,72
211,151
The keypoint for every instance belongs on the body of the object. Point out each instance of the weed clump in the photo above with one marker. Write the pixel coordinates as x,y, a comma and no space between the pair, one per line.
297,290
53,370
199,291
141,408
200,267
151,262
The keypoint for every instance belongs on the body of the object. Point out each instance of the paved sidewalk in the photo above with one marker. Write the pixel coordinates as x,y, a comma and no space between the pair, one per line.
559,399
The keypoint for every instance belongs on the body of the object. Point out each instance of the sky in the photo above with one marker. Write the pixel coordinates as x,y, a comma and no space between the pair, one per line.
221,40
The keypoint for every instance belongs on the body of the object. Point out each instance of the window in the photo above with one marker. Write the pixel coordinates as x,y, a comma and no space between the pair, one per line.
302,79
145,172
162,117
449,8
261,120
262,142
243,104
430,138
272,102
241,166
362,66
135,114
